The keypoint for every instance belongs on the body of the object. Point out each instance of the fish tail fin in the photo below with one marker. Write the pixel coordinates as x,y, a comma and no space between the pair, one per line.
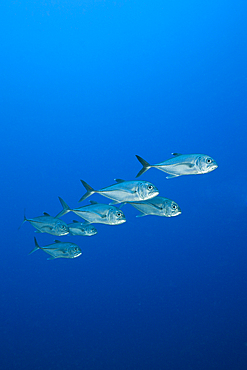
145,164
24,220
36,247
89,192
65,210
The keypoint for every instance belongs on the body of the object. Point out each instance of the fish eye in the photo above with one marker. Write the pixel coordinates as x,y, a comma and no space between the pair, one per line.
209,160
174,206
119,214
150,187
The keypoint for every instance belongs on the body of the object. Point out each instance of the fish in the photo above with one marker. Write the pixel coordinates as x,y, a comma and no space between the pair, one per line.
96,213
81,228
158,206
181,164
124,191
59,250
48,224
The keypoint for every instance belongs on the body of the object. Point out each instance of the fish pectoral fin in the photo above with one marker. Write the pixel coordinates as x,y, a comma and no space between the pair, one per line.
156,206
122,191
45,229
98,214
141,215
190,165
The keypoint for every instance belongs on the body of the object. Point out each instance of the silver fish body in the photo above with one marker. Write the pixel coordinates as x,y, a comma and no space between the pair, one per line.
124,191
59,250
81,228
182,164
158,206
48,224
96,213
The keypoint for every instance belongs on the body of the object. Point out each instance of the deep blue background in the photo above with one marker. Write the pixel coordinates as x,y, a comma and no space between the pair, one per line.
85,85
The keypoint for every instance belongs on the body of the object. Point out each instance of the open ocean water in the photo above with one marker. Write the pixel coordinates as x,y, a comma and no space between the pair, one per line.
85,86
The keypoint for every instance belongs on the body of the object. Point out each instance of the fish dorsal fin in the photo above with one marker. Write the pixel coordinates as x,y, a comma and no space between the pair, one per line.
46,214
75,221
57,241
176,154
119,180
93,202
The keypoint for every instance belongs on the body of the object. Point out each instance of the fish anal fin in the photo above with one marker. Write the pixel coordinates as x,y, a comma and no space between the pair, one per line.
171,176
115,202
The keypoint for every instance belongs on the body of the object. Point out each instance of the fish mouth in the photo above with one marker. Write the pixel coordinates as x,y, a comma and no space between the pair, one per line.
77,254
175,214
122,221
213,167
154,194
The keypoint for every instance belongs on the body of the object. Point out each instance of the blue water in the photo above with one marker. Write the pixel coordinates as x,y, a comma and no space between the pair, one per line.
86,85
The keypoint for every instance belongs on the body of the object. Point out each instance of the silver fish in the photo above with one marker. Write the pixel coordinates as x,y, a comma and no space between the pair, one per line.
48,224
124,191
158,206
96,213
81,228
181,164
59,250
